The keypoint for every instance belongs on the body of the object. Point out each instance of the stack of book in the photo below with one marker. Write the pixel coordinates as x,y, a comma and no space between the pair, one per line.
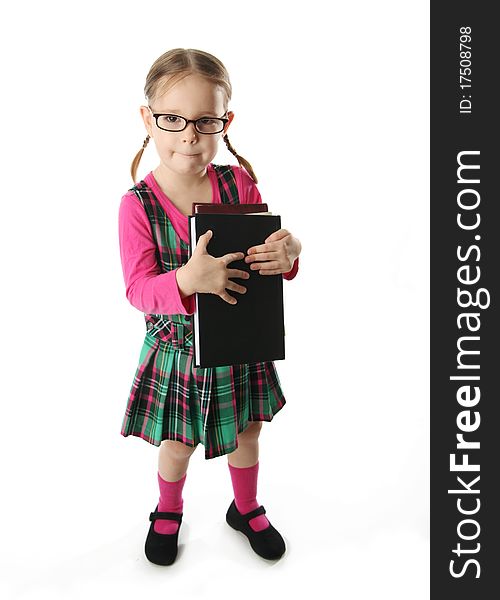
252,330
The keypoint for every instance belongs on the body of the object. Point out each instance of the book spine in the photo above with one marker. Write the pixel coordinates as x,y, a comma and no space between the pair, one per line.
190,238
194,319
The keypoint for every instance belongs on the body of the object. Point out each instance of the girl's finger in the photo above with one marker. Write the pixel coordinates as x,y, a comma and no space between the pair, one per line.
277,235
274,272
269,247
274,264
260,257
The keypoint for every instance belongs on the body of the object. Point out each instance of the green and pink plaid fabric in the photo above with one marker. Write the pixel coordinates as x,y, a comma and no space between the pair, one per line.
170,398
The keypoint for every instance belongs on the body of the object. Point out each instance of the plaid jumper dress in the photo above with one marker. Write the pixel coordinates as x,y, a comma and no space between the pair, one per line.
170,398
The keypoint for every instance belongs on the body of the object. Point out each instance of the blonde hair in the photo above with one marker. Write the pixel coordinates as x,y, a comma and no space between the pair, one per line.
169,69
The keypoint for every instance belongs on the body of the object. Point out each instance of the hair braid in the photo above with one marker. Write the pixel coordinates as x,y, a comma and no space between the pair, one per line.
243,162
137,159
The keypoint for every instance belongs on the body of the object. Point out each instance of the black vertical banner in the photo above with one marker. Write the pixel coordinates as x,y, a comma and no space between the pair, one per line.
465,274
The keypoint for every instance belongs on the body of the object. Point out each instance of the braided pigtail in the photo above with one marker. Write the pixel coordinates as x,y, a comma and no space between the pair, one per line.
137,159
243,162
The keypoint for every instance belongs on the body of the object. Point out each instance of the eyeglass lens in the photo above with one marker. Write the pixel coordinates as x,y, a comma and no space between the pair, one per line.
175,123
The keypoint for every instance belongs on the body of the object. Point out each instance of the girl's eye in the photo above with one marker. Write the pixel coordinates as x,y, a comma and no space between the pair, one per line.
207,121
171,118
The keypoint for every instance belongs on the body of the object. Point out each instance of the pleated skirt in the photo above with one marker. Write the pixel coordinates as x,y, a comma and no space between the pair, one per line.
171,399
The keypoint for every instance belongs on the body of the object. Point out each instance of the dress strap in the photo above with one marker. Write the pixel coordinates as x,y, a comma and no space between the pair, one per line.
142,191
154,211
227,184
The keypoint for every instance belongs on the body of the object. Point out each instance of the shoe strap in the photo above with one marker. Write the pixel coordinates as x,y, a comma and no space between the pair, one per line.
166,515
254,513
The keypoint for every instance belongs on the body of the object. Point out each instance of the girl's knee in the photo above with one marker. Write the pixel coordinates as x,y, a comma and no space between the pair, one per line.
251,431
177,450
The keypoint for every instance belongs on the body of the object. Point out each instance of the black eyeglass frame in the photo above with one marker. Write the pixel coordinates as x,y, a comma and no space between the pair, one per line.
187,121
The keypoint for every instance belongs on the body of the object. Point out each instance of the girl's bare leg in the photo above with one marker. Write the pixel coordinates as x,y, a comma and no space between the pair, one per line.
173,459
247,453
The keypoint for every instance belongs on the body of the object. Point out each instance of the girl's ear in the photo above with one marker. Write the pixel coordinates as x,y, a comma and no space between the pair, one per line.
230,116
148,119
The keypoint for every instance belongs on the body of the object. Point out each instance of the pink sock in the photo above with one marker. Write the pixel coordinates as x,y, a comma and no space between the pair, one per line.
170,501
245,493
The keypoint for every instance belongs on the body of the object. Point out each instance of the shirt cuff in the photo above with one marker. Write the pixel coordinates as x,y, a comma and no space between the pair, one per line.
186,304
293,271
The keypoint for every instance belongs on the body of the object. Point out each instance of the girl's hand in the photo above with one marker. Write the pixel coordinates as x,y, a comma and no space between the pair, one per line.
276,255
208,274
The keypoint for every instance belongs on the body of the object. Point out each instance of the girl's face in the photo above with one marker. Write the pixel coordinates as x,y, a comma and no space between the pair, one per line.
187,152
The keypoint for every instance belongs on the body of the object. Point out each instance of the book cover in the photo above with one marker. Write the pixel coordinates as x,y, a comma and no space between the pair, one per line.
252,330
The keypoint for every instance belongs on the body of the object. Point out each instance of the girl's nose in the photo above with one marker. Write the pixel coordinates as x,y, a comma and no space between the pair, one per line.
190,132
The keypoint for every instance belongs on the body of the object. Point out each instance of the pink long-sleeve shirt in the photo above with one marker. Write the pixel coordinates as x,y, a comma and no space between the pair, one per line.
147,288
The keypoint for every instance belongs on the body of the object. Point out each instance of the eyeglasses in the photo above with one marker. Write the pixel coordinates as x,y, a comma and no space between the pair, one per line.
169,122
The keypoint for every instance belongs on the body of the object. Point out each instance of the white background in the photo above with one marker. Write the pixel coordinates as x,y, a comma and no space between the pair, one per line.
344,465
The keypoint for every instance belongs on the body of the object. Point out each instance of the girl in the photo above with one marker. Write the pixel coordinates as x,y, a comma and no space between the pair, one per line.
173,404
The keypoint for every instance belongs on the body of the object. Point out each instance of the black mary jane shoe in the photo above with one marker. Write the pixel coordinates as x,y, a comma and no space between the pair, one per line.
267,543
161,548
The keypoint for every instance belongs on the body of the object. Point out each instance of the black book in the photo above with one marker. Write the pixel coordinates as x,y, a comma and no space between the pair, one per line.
252,330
